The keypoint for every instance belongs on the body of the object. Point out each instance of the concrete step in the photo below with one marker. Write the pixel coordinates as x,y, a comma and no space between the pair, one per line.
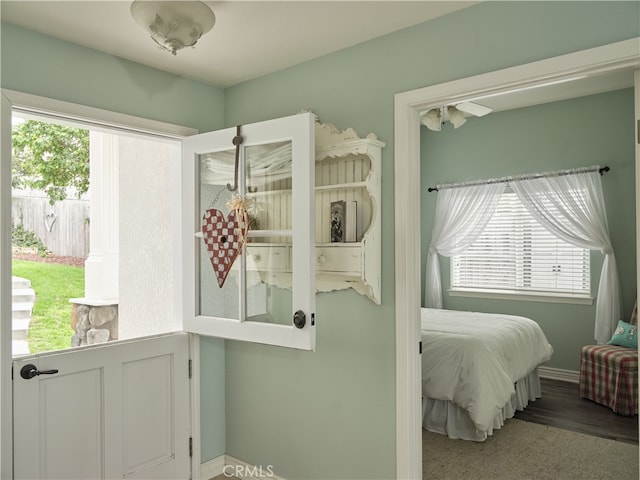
21,310
19,282
20,328
23,295
23,298
20,347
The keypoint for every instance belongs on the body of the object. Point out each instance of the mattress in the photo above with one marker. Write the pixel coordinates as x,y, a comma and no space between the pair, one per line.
474,360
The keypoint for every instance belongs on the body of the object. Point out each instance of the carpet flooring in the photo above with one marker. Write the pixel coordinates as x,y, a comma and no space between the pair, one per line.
528,451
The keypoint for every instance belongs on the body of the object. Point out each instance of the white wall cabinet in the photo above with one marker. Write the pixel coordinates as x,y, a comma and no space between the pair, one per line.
347,168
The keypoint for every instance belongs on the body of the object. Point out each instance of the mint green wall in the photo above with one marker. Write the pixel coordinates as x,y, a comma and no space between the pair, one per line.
212,398
45,66
330,414
48,67
592,130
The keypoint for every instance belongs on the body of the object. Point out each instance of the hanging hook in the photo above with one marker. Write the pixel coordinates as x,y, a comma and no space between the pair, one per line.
237,141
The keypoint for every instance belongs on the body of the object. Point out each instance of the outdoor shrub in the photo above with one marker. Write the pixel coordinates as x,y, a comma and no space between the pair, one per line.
21,237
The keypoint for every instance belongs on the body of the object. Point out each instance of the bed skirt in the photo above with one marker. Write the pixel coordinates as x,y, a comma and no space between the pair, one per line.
446,417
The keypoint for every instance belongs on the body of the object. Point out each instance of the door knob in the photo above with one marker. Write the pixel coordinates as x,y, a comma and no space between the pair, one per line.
299,319
30,371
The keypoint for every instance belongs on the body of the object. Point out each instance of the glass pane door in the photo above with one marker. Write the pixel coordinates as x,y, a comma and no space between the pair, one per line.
268,183
254,232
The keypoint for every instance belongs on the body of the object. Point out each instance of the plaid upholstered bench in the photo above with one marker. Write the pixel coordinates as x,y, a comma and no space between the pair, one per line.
609,375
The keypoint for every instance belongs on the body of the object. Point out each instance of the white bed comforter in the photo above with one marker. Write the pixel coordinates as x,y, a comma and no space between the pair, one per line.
473,359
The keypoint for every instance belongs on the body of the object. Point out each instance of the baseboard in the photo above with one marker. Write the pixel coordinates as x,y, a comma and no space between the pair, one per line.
232,467
212,468
559,374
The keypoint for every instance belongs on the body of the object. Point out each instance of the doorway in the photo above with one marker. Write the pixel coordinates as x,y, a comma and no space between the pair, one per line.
130,127
407,109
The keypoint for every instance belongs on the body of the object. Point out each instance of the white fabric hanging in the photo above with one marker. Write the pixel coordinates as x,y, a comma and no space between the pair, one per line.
572,208
461,216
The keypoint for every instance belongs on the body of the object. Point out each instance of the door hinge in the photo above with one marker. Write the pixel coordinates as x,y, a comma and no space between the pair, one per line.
191,447
190,368
420,348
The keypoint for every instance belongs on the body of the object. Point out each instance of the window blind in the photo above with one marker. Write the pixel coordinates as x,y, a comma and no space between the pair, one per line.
516,253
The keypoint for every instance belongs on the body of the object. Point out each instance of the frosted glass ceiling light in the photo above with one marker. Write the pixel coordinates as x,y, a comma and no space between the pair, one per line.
432,120
456,117
173,25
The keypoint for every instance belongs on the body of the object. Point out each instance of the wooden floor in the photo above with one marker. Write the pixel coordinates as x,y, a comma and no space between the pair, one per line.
562,407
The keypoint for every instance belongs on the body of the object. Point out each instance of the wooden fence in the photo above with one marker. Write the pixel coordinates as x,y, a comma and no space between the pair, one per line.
63,227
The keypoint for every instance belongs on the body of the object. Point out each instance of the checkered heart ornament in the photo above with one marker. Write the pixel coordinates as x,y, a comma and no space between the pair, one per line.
224,237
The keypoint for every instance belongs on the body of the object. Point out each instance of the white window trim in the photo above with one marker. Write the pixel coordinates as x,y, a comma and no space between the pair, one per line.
527,296
94,117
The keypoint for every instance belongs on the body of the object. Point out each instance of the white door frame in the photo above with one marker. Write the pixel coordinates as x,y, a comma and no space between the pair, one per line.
6,392
97,118
636,102
407,108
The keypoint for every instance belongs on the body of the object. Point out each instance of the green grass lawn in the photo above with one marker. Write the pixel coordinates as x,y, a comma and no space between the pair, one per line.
54,285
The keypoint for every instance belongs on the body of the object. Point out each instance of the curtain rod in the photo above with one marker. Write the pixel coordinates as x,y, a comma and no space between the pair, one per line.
600,170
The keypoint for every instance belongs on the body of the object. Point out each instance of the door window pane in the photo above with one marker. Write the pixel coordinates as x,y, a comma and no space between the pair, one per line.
257,265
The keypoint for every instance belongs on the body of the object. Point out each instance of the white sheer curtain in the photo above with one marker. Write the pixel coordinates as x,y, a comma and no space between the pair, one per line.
572,207
462,213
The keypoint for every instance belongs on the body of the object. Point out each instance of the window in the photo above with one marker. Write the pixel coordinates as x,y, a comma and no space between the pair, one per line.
516,254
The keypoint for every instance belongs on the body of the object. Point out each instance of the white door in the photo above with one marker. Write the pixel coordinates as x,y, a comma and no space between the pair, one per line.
120,410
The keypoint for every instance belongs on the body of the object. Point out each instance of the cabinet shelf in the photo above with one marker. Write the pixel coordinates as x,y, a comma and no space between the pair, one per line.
319,188
347,168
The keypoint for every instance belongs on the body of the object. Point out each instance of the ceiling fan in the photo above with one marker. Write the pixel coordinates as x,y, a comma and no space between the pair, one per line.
434,119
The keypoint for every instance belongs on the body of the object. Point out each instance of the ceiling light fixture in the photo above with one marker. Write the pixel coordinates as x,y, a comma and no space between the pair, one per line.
456,117
173,25
433,120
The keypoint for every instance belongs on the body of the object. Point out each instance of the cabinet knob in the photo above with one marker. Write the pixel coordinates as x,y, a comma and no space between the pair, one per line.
321,259
256,257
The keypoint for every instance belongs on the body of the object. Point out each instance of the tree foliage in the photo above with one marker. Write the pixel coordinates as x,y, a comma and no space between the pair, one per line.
51,158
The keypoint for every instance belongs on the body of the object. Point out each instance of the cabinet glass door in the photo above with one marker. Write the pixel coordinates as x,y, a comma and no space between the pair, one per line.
249,244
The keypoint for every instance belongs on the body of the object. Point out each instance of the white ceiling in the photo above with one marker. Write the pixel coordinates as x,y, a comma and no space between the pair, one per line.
254,38
248,40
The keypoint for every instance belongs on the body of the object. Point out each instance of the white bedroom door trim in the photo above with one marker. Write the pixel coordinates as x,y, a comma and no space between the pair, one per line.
636,101
97,118
407,108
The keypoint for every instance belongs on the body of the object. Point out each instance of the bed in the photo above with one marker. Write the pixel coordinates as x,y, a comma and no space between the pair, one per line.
477,370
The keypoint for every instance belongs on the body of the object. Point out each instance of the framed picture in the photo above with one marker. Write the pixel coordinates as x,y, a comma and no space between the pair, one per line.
337,221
